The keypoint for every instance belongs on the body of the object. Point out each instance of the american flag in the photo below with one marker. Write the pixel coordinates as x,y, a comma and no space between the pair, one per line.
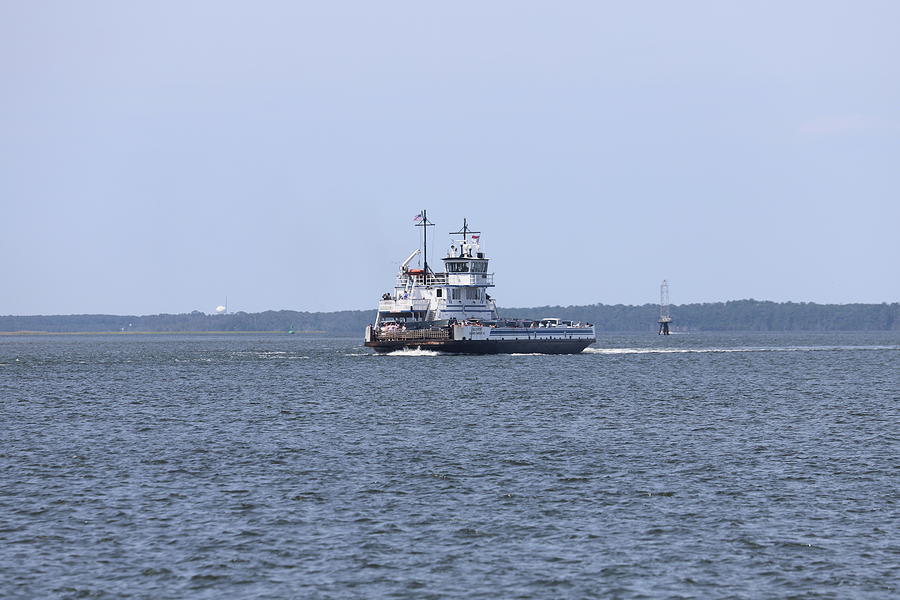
475,237
418,217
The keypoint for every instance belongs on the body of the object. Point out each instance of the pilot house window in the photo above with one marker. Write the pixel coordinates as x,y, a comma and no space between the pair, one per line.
457,267
472,294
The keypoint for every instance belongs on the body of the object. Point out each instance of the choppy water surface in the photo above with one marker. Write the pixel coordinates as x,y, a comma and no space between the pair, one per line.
699,466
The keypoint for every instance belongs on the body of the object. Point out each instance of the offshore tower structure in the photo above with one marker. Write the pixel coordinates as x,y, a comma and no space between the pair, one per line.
664,318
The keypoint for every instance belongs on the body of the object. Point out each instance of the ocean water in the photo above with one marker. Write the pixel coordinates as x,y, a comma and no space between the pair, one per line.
687,466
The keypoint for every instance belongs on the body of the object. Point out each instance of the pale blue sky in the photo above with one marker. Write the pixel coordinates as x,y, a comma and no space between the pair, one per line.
158,156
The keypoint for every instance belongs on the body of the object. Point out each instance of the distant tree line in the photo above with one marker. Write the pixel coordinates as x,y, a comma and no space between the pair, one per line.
350,322
736,315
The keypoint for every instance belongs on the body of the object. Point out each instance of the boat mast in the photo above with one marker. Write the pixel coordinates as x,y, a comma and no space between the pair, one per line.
425,224
465,231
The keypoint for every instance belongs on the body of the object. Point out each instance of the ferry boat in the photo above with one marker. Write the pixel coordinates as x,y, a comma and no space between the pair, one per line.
452,312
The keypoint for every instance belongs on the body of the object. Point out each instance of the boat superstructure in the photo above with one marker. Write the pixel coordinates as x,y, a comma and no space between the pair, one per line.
452,311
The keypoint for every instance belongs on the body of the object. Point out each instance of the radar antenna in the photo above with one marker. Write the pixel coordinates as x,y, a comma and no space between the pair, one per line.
664,318
465,231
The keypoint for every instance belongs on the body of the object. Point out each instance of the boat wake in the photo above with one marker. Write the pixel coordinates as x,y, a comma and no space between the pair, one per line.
657,350
413,352
727,350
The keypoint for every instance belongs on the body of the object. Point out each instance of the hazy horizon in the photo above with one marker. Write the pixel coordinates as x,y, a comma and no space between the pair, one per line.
373,308
160,157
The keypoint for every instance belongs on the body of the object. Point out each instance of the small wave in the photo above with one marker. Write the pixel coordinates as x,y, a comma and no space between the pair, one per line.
266,355
413,352
527,354
275,355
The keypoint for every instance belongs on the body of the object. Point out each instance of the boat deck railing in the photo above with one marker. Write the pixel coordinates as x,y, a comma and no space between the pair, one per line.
436,333
418,279
477,279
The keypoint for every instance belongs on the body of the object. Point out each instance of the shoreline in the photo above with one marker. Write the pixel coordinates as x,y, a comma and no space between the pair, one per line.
268,331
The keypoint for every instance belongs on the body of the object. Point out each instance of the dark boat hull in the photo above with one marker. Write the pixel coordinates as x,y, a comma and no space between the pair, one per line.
549,346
